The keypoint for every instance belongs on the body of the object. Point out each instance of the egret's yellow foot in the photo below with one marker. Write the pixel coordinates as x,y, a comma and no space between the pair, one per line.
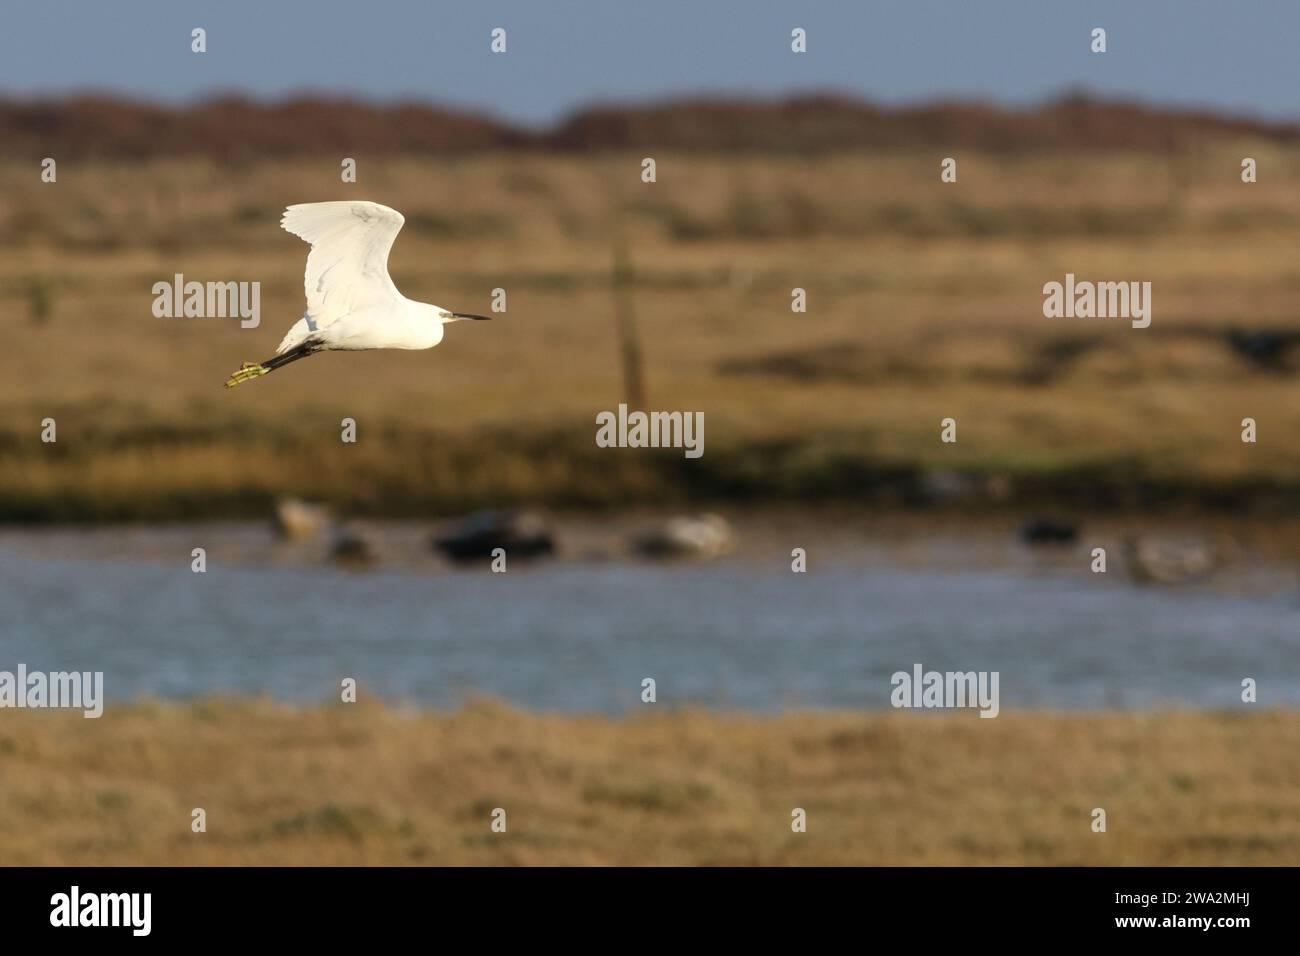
247,371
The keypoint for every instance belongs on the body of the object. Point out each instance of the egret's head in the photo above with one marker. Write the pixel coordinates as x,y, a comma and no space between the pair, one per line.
458,316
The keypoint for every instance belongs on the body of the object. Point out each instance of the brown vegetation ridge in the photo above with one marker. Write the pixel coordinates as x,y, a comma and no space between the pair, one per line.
232,128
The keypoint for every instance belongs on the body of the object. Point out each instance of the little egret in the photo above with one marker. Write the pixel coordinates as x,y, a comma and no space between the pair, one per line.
352,303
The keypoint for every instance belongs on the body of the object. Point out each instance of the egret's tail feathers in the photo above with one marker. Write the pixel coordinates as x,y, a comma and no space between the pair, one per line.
247,372
298,334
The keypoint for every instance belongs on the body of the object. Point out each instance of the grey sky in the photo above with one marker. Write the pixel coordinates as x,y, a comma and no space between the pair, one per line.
1236,57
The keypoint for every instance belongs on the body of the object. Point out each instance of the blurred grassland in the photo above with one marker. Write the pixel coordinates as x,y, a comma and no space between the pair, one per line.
365,784
924,302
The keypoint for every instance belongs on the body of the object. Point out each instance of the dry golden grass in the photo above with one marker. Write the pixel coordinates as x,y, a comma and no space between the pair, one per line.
362,784
924,302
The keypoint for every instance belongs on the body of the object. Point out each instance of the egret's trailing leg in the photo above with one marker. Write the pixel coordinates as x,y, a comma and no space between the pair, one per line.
250,370
247,372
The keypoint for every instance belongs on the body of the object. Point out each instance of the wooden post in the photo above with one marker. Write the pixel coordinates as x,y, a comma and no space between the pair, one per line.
629,345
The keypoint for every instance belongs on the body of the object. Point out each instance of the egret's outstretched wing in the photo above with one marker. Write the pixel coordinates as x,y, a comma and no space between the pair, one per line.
347,268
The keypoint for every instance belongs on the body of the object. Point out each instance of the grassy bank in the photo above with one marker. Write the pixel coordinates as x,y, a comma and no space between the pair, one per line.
363,784
209,472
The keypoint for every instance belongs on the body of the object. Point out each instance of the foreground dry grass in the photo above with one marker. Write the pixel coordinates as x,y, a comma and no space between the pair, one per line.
362,784
924,302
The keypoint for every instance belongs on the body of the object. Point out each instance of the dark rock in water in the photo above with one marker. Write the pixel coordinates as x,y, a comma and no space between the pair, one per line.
349,548
521,534
1048,531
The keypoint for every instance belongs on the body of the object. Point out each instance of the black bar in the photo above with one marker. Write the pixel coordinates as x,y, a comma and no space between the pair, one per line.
973,906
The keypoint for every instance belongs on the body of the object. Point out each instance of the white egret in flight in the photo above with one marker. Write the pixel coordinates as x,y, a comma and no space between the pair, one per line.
352,303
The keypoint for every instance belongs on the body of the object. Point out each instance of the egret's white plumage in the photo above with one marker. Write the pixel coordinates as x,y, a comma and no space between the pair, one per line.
352,303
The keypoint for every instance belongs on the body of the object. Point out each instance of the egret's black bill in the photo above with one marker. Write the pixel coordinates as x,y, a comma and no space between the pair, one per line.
468,315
